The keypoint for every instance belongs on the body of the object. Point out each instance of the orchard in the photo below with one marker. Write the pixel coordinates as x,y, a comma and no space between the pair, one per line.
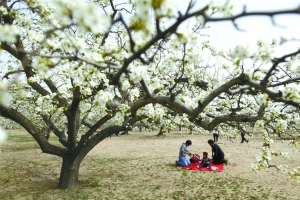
105,66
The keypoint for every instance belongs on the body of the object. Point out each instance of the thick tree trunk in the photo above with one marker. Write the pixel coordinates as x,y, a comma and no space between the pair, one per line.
69,173
160,133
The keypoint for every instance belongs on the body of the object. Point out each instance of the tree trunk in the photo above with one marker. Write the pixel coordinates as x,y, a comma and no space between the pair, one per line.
160,133
69,172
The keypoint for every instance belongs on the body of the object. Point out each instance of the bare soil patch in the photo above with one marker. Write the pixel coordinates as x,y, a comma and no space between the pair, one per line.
142,166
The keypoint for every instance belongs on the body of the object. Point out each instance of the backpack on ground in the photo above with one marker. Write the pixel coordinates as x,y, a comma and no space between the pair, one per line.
195,158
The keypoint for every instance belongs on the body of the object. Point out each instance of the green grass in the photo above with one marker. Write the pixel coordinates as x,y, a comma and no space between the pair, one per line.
20,138
105,176
28,138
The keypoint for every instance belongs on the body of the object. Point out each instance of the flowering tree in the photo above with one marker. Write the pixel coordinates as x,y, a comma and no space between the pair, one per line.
104,65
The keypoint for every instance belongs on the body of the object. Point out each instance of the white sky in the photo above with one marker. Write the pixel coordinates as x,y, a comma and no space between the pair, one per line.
224,35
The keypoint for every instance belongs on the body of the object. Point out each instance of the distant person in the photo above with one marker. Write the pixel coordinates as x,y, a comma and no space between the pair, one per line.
183,161
218,155
216,136
205,161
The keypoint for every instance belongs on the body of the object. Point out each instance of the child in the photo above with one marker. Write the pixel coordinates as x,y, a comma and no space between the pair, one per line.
205,162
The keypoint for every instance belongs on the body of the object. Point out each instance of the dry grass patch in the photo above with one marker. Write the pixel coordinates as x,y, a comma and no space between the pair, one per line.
140,166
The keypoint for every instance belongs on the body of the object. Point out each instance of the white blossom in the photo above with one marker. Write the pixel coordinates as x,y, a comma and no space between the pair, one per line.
165,8
264,53
3,136
137,73
8,33
159,112
240,52
110,45
262,99
285,155
125,84
124,108
3,10
297,122
223,7
291,92
88,15
101,98
283,169
258,75
149,110
119,118
255,167
5,97
280,125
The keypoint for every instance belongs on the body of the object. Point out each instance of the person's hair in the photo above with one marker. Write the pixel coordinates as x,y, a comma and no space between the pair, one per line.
210,141
188,142
205,153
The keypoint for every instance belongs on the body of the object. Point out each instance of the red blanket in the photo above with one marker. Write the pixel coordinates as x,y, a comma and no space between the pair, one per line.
193,166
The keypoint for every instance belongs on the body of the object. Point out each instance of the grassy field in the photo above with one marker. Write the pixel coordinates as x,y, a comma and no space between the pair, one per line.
137,166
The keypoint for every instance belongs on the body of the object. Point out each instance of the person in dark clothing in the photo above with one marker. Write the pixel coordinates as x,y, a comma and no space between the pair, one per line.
216,136
218,155
243,136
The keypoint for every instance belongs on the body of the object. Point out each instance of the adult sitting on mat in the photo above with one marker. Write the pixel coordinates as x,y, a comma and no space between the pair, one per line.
218,155
183,161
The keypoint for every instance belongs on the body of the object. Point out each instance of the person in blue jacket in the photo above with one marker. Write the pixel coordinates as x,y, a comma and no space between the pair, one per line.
183,151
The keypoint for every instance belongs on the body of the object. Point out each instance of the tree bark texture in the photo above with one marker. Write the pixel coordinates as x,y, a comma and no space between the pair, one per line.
69,172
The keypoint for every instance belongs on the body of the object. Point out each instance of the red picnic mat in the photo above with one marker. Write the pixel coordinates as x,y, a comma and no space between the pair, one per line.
193,166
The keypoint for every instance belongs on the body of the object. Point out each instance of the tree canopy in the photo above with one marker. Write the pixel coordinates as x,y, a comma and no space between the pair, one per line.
105,65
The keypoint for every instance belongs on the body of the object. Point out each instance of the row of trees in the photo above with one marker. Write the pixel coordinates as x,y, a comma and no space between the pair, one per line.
75,63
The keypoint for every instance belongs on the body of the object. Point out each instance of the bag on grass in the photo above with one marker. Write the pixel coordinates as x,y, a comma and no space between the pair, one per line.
195,158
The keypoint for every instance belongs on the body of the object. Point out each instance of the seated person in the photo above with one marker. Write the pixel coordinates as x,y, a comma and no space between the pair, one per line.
205,161
218,155
183,161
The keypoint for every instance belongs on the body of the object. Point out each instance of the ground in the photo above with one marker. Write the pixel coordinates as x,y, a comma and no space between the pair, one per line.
141,165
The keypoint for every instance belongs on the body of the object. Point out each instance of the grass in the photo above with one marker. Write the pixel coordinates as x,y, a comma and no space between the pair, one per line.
35,175
23,138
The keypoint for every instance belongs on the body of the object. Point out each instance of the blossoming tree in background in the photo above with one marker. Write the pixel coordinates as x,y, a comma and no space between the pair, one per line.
102,66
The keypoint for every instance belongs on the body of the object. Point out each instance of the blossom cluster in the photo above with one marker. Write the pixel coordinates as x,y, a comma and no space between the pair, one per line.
8,33
223,7
3,136
141,20
86,15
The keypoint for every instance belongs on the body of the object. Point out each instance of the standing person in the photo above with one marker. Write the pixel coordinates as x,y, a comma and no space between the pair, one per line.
218,155
243,136
117,133
183,151
216,136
